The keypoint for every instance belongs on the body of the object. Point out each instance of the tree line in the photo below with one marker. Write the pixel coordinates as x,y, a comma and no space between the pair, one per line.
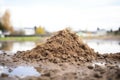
6,26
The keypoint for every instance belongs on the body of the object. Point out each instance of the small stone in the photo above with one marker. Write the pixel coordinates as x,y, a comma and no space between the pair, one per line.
97,75
4,53
90,67
46,74
3,64
4,75
10,70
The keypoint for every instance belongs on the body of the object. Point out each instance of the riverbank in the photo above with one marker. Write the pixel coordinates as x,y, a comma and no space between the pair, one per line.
33,38
64,56
37,38
105,37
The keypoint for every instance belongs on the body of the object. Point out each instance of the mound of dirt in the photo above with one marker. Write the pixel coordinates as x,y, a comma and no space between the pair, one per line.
64,46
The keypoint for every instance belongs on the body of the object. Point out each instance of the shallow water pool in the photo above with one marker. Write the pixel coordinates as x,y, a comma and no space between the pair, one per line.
20,71
101,46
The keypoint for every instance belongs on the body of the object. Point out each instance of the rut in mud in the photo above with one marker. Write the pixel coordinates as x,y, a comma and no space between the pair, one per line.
64,46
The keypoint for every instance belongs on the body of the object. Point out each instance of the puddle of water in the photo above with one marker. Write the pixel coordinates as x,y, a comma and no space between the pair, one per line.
23,46
20,71
3,69
99,63
1,51
13,47
104,46
23,71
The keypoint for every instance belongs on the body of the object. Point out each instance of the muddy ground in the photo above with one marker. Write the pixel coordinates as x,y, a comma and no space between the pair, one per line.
63,57
106,67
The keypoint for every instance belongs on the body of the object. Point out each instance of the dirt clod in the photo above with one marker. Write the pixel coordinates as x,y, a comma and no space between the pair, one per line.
4,75
90,67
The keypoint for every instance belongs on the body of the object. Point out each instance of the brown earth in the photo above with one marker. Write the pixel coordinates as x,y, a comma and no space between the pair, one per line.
64,56
64,46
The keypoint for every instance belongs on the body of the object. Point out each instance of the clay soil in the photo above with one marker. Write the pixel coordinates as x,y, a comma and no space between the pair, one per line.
64,56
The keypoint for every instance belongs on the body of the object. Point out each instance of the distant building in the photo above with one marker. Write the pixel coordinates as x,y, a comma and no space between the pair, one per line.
84,33
29,31
92,33
1,34
101,32
6,33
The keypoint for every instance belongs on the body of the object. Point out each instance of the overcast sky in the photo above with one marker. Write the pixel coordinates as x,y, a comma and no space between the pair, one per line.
58,14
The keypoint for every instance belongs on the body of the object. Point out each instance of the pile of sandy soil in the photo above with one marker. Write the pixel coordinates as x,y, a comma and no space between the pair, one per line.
64,46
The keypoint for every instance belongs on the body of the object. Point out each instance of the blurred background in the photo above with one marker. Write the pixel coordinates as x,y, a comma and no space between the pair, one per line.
26,23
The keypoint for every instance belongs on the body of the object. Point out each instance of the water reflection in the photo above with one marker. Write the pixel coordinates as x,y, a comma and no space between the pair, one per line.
16,46
6,46
3,69
20,71
102,46
99,63
23,71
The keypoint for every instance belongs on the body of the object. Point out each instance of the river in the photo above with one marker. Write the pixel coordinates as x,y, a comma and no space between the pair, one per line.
101,46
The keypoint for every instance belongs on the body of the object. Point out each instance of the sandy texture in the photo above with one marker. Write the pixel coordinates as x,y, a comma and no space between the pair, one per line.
64,46
64,56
